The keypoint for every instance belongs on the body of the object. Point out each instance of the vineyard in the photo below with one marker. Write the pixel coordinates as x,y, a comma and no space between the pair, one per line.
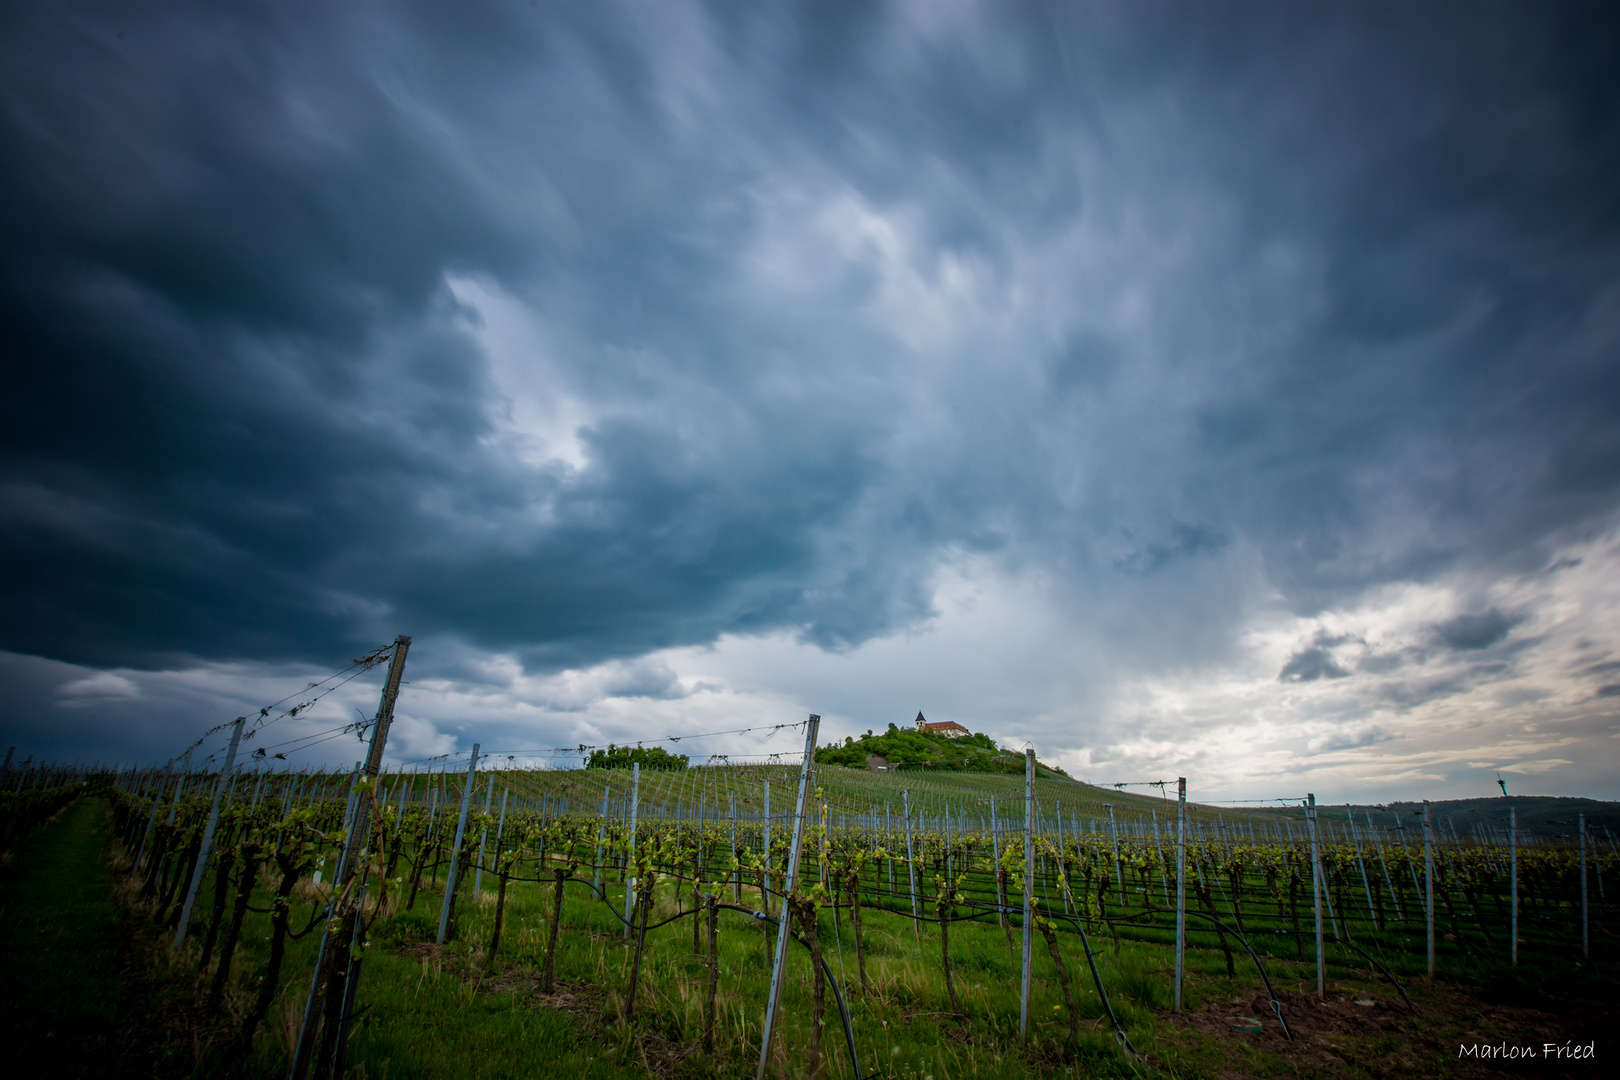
638,915
652,902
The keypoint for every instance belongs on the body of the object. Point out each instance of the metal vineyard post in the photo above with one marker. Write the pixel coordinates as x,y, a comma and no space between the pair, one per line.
1513,879
455,847
1029,890
225,777
780,965
1428,881
635,807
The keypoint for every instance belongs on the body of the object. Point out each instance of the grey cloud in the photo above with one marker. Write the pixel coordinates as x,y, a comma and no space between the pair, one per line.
1316,660
1309,665
1477,631
1350,740
1331,292
1183,541
645,681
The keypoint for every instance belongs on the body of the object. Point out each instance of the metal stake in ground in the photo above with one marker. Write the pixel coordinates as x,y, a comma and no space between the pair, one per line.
483,838
1029,892
455,847
630,856
1350,823
1513,878
601,834
151,821
1428,881
911,861
1181,885
1317,886
780,966
1119,870
1586,943
208,833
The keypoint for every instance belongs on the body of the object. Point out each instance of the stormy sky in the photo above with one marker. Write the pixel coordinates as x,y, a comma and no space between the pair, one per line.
1221,390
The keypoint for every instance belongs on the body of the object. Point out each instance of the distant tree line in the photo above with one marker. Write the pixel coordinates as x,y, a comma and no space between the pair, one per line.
648,757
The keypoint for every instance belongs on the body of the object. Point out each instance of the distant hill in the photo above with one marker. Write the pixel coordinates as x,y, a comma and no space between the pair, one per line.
910,749
1548,815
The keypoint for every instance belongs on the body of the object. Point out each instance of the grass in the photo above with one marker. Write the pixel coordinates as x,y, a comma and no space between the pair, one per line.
427,1011
60,938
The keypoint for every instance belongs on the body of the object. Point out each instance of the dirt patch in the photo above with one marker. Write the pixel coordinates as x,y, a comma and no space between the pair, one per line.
663,1057
1451,1032
585,1000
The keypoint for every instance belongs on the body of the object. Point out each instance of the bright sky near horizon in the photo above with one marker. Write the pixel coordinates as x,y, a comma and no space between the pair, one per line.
1223,390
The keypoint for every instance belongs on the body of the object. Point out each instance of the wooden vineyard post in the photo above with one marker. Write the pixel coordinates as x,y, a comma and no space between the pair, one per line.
1513,882
225,777
1586,941
1029,890
455,848
778,967
630,857
1428,881
357,831
714,974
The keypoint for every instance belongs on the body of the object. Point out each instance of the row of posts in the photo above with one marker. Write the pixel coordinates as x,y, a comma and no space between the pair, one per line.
357,826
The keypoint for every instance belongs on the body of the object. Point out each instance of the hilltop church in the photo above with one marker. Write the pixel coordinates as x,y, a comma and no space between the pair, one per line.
950,728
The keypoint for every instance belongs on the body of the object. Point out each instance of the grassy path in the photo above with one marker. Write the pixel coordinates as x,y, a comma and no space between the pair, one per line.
60,933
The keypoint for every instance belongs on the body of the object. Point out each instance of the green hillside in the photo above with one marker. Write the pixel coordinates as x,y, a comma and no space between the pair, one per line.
908,748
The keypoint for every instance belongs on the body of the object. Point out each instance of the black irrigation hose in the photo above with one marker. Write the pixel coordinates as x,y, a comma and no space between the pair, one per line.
1387,973
843,1009
1370,959
1119,1031
1102,994
1344,941
1276,1006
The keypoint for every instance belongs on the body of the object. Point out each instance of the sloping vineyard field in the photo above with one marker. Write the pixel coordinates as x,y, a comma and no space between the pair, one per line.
602,923
641,908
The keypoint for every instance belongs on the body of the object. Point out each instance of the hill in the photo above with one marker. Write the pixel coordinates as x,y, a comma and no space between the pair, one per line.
1548,815
903,748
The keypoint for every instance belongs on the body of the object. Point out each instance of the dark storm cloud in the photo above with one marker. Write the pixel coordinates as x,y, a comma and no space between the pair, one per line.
1476,631
1317,661
247,415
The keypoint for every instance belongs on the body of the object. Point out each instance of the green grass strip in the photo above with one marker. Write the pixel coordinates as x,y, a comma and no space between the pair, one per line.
60,932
